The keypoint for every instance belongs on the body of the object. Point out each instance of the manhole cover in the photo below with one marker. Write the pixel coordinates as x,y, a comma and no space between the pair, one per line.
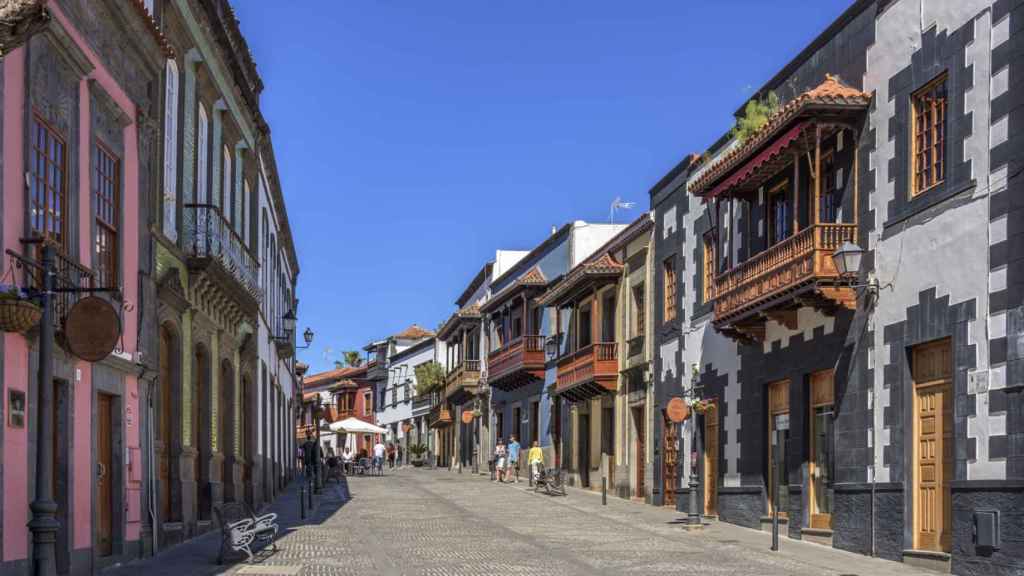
271,570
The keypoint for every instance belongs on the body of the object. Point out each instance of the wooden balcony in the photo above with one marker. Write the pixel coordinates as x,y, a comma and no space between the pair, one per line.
773,284
462,381
439,416
588,372
516,364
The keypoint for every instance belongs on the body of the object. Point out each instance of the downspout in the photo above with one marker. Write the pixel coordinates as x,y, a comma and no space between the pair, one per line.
152,475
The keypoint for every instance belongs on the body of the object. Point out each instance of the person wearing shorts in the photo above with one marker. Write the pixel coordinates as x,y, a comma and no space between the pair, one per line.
500,455
513,458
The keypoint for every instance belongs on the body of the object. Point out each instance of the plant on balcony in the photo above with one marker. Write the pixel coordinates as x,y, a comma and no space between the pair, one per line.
17,312
755,115
353,359
417,451
429,377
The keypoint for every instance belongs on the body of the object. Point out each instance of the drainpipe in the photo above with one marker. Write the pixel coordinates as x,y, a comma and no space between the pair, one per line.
152,475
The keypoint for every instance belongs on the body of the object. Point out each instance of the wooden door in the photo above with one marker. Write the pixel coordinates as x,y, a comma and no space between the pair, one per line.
819,465
778,420
163,464
711,460
933,446
584,450
638,420
104,476
671,462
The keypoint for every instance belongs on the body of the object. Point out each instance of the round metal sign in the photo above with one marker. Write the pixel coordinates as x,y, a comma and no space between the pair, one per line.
677,410
467,416
92,329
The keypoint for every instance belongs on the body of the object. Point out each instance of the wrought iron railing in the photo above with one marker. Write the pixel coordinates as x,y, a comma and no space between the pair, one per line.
208,234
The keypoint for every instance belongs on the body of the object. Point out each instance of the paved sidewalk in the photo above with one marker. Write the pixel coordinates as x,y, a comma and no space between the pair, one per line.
198,556
437,523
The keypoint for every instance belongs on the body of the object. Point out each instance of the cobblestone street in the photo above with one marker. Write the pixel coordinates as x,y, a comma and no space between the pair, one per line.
433,523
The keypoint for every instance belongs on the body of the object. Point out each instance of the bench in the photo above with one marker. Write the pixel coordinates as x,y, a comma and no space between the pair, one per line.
240,528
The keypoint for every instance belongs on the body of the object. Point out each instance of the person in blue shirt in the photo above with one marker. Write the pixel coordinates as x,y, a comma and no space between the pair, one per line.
513,457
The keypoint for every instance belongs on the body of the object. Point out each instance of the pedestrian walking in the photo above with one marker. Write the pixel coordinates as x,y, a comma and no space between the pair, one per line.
513,458
401,453
500,455
535,458
391,455
379,451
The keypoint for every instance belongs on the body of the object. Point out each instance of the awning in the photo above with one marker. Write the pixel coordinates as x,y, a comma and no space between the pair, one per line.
356,426
746,170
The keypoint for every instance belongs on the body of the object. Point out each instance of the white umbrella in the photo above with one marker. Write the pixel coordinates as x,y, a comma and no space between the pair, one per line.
356,426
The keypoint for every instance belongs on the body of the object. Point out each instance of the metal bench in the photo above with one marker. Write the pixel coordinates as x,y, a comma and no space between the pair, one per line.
241,528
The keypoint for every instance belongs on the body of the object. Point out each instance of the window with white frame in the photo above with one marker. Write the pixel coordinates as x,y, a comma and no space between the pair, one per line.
170,200
203,159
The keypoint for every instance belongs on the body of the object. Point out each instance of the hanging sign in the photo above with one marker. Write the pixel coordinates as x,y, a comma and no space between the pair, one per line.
677,410
406,427
467,416
92,329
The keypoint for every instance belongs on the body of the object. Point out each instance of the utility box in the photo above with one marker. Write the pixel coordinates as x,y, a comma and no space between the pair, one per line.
986,529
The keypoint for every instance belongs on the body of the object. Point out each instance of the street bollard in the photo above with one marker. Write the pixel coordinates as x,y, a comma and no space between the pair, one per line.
604,491
302,501
310,495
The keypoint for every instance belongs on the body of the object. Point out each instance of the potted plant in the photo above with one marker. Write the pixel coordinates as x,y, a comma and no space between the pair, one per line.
17,312
417,451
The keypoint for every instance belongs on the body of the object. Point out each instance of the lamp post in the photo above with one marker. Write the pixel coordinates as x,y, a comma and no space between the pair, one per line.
692,514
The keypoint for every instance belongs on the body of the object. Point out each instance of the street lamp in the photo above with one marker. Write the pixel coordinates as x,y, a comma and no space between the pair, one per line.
847,259
551,346
308,337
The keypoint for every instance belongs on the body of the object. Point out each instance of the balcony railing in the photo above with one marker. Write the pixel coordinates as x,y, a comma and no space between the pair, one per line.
208,234
797,260
523,356
589,371
462,379
421,403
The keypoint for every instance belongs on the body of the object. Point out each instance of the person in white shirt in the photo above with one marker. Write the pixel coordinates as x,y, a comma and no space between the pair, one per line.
378,455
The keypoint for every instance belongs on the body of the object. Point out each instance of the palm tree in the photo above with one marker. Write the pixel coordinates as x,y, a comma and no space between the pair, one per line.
353,359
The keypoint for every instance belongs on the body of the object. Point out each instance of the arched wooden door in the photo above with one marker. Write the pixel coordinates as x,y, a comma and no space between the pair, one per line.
248,437
201,438
225,428
165,422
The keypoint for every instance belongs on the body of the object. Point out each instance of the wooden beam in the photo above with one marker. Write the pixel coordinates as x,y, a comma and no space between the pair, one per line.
817,174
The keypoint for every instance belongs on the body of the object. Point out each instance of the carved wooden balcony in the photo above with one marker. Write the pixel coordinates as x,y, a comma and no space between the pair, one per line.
462,381
516,364
439,416
588,372
776,282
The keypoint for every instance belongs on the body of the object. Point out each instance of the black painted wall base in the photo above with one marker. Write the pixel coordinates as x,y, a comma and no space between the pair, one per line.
1008,498
741,505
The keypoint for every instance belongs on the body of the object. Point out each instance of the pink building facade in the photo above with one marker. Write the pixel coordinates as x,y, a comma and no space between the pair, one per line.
80,127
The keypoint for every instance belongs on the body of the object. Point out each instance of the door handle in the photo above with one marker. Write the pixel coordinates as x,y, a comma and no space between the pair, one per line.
101,471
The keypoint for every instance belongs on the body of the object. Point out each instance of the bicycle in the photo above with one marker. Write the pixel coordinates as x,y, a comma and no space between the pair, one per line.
551,481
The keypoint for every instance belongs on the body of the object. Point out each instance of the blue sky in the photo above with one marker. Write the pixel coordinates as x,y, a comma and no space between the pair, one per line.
416,138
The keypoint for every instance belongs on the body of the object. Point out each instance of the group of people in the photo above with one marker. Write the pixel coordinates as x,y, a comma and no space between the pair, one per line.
506,460
310,452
